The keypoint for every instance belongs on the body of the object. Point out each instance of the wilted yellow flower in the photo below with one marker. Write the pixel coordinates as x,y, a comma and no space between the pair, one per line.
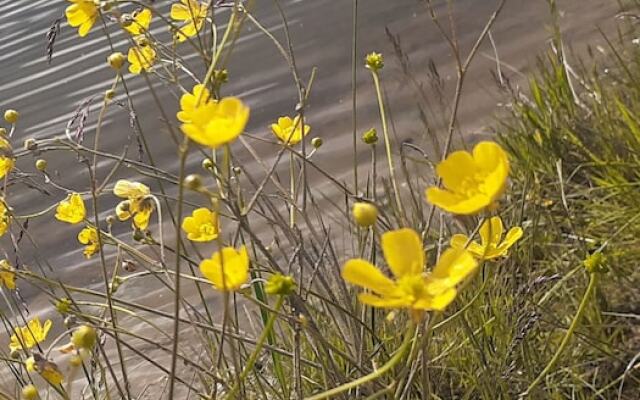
228,269
140,22
25,337
202,225
4,218
413,288
209,122
141,57
472,182
71,209
491,245
290,131
7,275
89,237
47,369
82,14
138,203
193,13
7,160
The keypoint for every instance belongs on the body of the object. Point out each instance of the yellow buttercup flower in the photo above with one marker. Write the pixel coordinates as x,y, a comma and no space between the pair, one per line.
141,57
25,337
202,225
7,275
140,22
209,122
193,13
47,369
7,160
290,131
491,246
4,218
412,288
472,182
138,203
89,237
71,209
82,14
228,269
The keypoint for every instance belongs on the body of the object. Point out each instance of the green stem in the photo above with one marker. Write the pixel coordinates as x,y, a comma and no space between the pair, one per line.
387,142
397,357
593,279
256,351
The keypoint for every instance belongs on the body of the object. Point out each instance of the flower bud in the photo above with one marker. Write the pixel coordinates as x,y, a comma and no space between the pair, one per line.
193,182
15,354
220,76
596,262
111,220
207,164
365,214
316,142
116,60
109,94
84,337
370,136
126,20
29,392
30,144
237,170
63,305
374,61
41,164
280,284
138,236
11,116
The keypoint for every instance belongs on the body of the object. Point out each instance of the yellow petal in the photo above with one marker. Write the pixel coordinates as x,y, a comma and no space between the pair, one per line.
180,12
383,302
455,168
454,266
361,273
403,251
130,190
510,239
228,269
491,231
457,204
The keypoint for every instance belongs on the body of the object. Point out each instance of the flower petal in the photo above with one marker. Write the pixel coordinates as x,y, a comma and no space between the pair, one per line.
454,266
361,273
455,168
403,251
491,231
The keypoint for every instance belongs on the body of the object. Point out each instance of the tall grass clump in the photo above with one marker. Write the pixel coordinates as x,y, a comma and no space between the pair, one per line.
505,270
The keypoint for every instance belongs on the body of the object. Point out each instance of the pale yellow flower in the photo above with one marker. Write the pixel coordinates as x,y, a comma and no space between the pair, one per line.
491,246
202,225
193,13
82,14
138,203
141,57
26,337
7,275
228,269
4,218
140,23
71,209
7,160
89,237
290,131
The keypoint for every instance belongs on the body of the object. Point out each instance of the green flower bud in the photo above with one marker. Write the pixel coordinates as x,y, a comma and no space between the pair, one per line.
84,337
41,164
365,214
596,262
220,76
193,182
374,61
109,94
11,116
63,305
116,60
30,144
280,284
316,142
207,164
370,136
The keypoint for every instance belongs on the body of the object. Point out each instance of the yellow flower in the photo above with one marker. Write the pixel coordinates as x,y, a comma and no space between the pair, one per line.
47,369
209,122
193,13
7,275
82,14
71,209
7,160
412,287
138,203
472,183
140,23
89,237
290,131
228,269
202,225
491,235
4,218
141,57
25,337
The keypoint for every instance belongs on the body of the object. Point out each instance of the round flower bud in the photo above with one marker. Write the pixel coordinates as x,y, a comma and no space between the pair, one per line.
109,94
193,182
220,76
316,142
29,392
207,164
116,60
138,236
370,136
30,144
280,284
84,337
365,214
63,305
374,61
111,220
11,116
14,354
126,20
41,164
